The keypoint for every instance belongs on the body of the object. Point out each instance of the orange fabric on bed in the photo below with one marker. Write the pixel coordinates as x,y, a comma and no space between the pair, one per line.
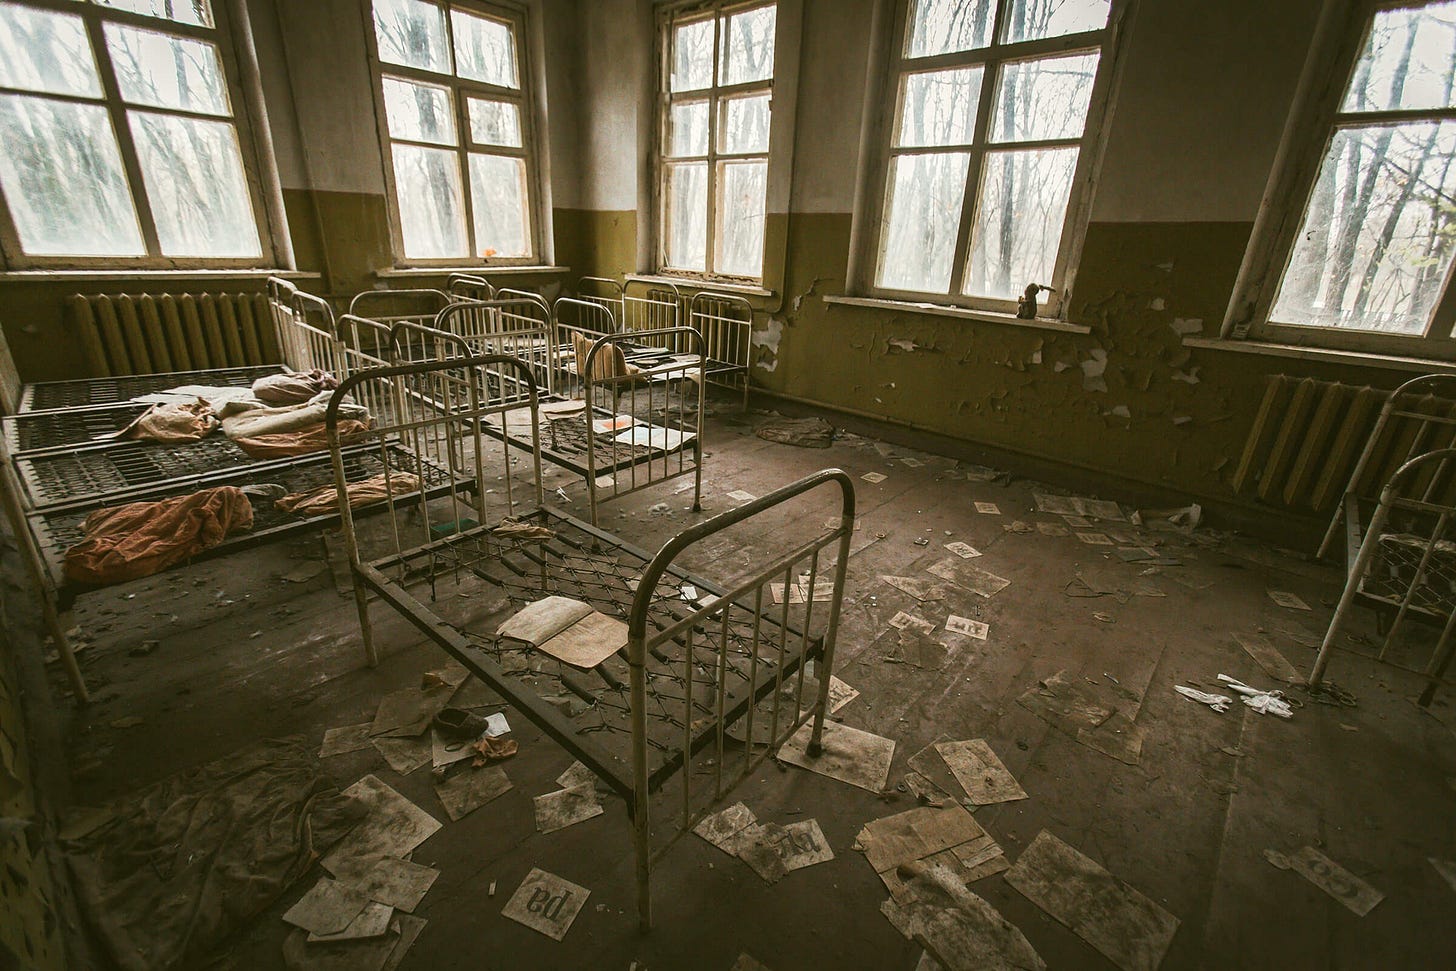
141,538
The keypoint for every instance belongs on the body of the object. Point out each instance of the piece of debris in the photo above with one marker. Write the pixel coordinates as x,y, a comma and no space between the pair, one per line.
576,774
1122,924
464,792
1102,720
305,572
1446,869
988,508
144,648
948,836
849,755
801,432
874,477
963,550
400,884
393,828
1330,877
404,755
980,773
1264,702
917,587
1259,647
129,721
327,908
738,495
744,963
1216,702
968,627
966,574
1286,599
567,807
349,738
1052,529
722,828
959,930
489,750
372,921
546,903
904,621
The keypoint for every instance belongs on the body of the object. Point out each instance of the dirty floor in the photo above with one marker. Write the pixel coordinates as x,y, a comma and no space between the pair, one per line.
244,654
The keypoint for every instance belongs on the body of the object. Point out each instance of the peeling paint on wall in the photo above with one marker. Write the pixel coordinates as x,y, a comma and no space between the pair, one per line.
1092,370
765,344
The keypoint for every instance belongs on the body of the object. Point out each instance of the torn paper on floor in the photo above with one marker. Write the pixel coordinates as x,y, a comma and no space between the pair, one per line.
544,902
947,836
849,755
966,574
1286,599
1333,879
349,738
980,772
400,884
469,789
567,807
917,587
959,930
327,908
968,627
1125,926
393,828
1100,716
964,550
1259,647
906,621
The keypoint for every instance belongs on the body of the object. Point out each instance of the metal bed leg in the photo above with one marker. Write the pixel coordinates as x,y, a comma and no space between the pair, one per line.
641,819
1440,661
825,666
1352,586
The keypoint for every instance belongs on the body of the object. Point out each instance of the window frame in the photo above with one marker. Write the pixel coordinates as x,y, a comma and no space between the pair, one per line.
1314,120
886,117
671,15
516,16
222,35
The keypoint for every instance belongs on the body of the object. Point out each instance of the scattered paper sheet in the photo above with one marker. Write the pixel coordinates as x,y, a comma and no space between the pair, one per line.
567,807
1052,529
968,627
652,436
372,921
1258,647
980,772
1058,505
738,495
874,477
409,711
328,908
840,694
400,884
404,755
568,630
849,755
723,827
772,850
447,751
1335,880
1286,599
349,738
1123,925
496,725
1079,522
916,834
964,550
904,621
546,903
968,575
603,426
576,774
1102,719
988,508
469,789
394,827
959,930
917,587
1095,539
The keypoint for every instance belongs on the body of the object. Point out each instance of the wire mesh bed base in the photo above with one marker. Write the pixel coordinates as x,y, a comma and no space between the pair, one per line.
98,392
563,438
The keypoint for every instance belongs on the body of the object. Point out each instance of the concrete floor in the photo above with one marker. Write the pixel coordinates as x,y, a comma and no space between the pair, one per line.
1371,786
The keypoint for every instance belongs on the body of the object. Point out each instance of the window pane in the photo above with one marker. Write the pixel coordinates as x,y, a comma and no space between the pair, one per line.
411,32
942,26
182,11
1019,217
167,71
193,171
748,46
64,181
495,123
42,51
1377,238
1044,98
686,216
419,112
692,56
939,107
738,244
744,127
431,202
1031,19
688,128
922,215
498,194
484,49
1409,60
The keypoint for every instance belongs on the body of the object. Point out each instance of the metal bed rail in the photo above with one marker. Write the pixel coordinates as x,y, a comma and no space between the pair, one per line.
515,324
1406,564
388,307
1417,417
726,323
309,335
707,658
672,435
469,286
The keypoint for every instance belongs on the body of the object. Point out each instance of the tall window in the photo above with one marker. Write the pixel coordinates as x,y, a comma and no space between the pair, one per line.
1374,249
718,96
991,100
119,137
456,112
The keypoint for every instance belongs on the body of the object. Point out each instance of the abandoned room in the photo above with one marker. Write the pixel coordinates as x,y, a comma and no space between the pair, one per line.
727,484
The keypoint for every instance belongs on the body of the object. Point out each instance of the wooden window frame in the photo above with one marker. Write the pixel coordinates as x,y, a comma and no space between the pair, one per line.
524,97
222,35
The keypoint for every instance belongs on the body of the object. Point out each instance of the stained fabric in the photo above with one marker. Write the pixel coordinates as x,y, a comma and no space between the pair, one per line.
312,438
239,420
172,423
610,362
293,387
325,500
142,538
185,863
803,432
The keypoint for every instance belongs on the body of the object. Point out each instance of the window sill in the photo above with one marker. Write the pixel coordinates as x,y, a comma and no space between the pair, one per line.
697,283
1359,358
422,272
106,276
959,313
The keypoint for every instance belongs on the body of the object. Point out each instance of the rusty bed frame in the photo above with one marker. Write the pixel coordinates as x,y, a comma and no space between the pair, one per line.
657,712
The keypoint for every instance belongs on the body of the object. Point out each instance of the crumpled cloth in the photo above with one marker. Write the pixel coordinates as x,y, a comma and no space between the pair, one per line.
142,538
489,750
803,432
241,420
176,422
293,387
189,861
325,499
313,438
610,363
513,528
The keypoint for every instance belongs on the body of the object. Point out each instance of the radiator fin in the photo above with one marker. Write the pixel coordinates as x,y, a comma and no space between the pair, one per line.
152,333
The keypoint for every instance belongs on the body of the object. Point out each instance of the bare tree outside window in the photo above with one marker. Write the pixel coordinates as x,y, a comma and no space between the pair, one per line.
714,144
984,150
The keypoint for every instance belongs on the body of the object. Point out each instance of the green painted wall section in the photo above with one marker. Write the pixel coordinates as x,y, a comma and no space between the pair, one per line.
596,243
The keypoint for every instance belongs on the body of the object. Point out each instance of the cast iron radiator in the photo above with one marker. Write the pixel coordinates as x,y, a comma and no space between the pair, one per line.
146,334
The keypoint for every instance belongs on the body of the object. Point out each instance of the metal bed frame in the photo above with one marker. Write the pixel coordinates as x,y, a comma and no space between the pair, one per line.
725,320
659,711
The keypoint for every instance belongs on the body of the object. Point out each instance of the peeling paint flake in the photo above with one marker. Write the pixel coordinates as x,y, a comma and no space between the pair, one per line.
1092,370
1189,376
766,344
1183,326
